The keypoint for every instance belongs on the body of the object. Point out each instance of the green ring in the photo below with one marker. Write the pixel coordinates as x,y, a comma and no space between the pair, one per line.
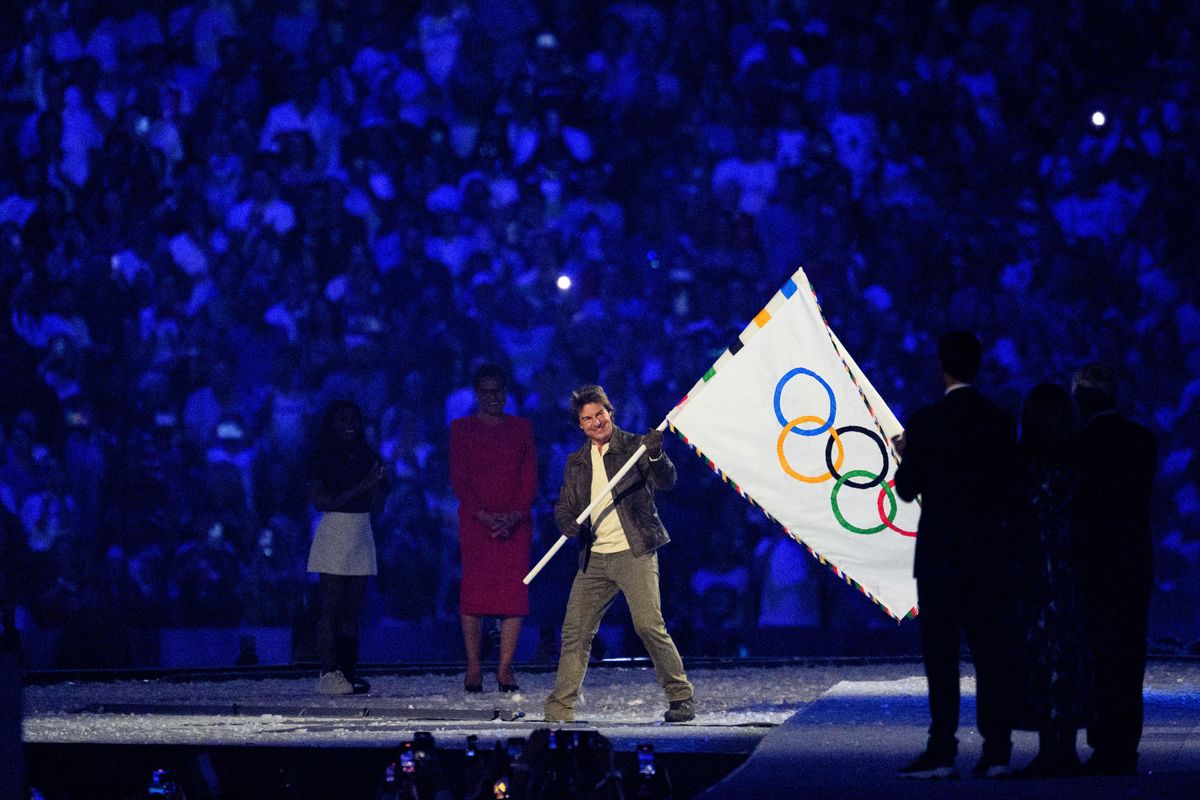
854,473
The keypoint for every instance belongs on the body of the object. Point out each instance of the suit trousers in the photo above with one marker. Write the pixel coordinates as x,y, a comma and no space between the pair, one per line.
1117,638
592,593
950,606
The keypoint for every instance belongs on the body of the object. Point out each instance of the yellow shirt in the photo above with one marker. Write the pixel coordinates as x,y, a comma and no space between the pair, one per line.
606,525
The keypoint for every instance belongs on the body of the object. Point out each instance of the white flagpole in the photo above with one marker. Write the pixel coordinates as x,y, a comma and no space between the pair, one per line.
628,465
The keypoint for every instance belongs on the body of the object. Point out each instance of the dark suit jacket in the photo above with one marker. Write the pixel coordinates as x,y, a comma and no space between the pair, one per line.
1115,461
960,456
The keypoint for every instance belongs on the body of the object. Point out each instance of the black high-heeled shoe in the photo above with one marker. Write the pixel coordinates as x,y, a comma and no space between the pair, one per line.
473,688
506,687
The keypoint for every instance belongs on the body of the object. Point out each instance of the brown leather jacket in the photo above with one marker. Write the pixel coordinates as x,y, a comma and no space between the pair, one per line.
633,496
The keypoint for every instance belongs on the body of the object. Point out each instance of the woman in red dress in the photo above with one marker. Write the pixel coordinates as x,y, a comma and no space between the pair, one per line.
493,468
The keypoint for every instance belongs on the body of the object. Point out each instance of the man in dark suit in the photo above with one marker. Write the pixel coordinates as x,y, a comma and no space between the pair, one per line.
959,456
1116,459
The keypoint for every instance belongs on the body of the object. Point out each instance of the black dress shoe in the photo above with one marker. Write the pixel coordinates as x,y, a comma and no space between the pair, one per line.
929,765
991,767
359,685
473,688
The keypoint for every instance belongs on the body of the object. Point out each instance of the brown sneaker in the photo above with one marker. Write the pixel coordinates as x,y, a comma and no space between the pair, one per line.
681,711
558,713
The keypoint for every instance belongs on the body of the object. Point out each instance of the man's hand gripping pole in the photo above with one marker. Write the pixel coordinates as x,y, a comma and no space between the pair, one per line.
628,465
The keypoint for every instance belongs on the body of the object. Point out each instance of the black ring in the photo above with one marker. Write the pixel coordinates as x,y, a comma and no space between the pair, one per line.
882,451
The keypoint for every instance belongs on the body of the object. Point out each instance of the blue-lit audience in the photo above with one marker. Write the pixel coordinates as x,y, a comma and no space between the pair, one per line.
218,215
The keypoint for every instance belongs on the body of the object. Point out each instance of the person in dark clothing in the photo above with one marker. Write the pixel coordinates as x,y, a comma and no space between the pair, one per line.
1115,461
959,455
1055,698
346,482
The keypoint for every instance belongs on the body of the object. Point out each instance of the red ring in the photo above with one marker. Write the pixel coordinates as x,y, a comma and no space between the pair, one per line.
883,515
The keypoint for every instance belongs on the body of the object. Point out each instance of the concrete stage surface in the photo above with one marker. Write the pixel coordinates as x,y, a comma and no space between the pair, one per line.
820,728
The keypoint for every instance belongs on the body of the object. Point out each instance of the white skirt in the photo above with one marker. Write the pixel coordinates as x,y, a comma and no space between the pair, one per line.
344,544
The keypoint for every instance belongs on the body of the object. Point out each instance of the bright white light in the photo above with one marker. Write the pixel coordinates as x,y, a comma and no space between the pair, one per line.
1098,118
563,282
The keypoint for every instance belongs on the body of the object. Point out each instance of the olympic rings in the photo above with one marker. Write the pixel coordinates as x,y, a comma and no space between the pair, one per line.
834,437
869,434
867,479
828,390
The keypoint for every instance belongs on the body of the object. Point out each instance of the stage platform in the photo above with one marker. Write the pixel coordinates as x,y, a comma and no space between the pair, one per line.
821,728
849,743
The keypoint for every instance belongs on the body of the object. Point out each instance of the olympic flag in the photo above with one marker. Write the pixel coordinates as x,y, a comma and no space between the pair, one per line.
788,418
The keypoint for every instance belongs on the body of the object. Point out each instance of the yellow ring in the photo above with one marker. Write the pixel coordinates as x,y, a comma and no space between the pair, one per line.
783,462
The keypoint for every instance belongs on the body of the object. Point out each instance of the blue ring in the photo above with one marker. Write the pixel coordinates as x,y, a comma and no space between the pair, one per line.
783,421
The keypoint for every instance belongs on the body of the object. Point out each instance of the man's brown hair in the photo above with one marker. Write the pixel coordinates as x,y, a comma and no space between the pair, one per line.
588,393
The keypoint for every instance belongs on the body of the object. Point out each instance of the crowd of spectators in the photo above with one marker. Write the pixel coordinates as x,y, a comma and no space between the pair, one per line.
217,215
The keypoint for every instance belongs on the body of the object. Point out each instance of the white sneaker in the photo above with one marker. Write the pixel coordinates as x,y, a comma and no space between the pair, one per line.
334,683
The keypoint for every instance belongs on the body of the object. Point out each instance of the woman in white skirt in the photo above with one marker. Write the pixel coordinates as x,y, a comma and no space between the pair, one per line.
346,482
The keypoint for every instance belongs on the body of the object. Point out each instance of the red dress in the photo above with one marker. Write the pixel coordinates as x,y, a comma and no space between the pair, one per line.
493,468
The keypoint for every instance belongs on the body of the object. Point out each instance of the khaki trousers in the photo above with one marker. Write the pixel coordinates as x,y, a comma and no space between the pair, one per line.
592,593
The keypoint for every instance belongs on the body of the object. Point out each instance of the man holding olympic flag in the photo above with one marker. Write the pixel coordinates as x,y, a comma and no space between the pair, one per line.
617,554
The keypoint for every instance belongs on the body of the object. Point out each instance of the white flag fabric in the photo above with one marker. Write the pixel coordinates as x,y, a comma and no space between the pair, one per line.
786,416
